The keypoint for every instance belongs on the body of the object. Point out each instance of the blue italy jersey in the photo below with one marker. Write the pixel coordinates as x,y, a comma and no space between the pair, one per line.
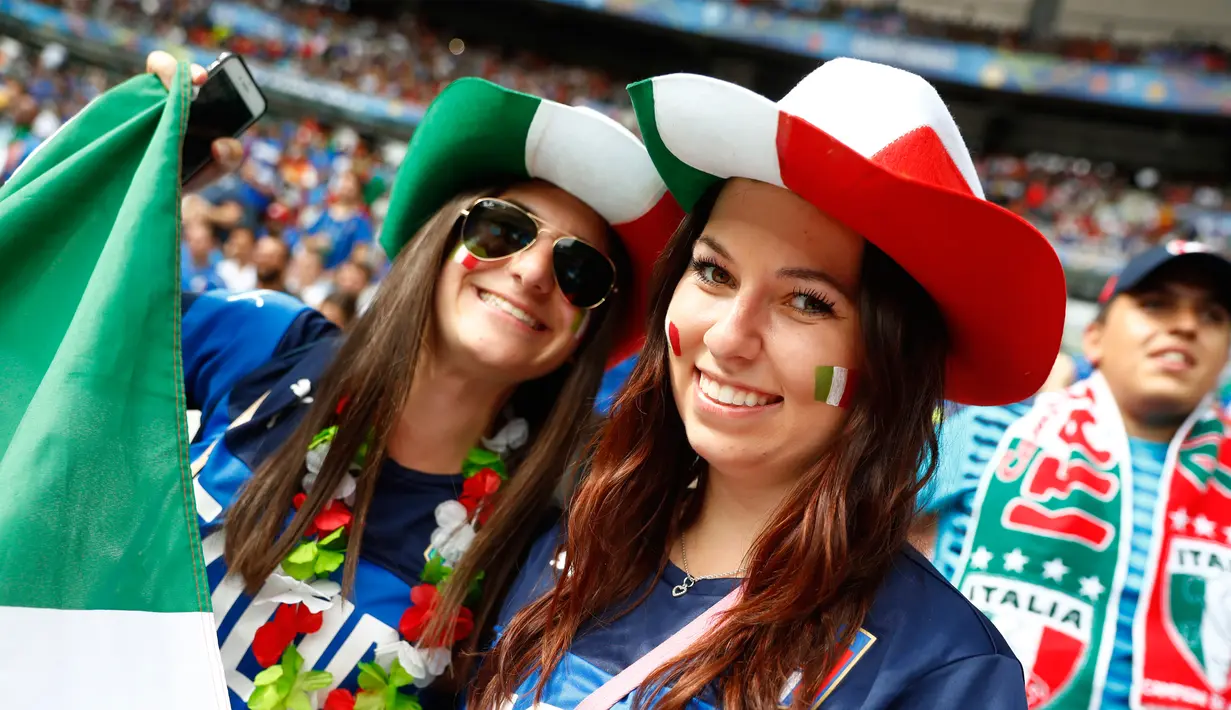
923,646
967,443
251,363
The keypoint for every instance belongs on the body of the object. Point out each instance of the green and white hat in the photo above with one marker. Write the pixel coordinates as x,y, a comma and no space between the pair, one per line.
477,132
876,148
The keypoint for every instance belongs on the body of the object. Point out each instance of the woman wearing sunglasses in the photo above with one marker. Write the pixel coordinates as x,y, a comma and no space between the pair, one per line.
739,540
354,492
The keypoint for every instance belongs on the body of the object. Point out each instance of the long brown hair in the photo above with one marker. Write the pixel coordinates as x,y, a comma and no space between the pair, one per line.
816,567
374,369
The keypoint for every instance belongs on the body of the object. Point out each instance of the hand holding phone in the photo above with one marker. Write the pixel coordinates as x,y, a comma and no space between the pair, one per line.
226,104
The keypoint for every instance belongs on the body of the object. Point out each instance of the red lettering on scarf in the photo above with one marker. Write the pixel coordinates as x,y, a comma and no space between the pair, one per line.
1016,460
1051,480
1071,524
1074,433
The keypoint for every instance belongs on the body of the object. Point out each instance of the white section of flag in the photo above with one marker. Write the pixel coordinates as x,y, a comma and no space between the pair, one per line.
110,660
626,185
837,386
718,128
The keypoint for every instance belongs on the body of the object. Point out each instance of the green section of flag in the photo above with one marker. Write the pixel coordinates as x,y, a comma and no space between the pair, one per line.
687,184
96,506
1188,611
824,382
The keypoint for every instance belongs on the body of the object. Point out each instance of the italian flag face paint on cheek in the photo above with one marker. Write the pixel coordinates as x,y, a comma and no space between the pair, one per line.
462,256
835,385
673,337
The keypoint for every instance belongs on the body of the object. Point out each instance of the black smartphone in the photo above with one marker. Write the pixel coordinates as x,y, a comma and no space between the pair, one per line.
225,106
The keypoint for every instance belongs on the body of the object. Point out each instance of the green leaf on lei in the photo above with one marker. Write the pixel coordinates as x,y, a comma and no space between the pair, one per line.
435,571
281,687
324,437
479,459
315,680
301,563
335,540
372,677
475,593
399,676
380,689
327,561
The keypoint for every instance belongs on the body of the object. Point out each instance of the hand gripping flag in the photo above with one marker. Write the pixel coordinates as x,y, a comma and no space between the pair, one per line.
104,602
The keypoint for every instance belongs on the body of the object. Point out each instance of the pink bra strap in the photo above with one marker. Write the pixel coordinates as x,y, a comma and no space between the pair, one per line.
630,678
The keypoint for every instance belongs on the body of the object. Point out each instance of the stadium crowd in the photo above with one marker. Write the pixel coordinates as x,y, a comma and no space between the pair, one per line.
888,18
303,213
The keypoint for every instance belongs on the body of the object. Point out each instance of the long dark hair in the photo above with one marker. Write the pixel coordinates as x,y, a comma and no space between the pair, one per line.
374,369
814,570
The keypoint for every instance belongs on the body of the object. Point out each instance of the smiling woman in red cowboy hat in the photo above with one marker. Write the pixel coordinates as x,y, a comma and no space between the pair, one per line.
740,540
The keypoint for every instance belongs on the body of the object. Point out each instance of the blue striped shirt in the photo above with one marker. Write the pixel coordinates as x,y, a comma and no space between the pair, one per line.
968,441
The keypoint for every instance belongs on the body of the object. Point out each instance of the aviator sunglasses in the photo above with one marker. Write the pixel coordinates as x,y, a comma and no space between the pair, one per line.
493,229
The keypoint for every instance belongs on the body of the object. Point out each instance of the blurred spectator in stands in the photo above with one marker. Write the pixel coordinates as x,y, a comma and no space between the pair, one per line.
343,225
339,308
237,270
307,278
271,258
197,273
354,278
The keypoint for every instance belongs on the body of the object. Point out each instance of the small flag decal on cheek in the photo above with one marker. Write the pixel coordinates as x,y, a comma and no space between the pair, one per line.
673,336
835,385
462,256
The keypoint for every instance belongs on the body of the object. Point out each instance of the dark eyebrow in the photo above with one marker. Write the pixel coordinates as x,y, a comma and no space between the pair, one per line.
817,275
790,273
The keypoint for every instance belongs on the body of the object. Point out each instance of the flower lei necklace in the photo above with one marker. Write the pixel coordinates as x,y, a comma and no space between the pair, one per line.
303,589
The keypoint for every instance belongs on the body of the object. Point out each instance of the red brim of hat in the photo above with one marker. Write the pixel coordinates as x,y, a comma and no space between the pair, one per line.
997,281
643,239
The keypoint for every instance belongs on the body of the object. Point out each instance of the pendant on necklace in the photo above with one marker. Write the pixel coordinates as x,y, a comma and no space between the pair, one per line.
682,588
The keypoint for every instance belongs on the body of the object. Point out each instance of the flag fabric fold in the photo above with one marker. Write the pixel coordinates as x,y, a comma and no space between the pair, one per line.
104,602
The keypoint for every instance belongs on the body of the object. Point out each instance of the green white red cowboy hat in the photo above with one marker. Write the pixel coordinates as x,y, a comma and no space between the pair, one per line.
876,148
476,133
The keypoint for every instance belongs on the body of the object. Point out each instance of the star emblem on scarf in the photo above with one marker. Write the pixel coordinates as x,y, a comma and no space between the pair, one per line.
1203,526
1179,520
1055,569
1015,561
981,558
1091,588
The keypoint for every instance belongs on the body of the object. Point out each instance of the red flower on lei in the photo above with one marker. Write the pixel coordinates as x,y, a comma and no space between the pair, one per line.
339,699
478,490
415,620
289,621
332,516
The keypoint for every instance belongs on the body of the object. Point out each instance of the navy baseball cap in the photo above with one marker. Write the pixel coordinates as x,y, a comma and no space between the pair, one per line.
1140,267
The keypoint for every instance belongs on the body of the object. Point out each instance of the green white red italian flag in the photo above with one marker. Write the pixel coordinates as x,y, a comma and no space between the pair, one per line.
105,604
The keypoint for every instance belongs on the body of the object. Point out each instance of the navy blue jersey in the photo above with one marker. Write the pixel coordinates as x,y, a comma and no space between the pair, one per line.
269,348
923,645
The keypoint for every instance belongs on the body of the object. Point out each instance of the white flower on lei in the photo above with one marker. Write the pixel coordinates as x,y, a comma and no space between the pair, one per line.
425,664
318,595
510,437
315,460
454,533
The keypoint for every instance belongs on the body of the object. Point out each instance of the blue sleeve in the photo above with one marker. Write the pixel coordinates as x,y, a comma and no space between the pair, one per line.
226,336
991,681
947,480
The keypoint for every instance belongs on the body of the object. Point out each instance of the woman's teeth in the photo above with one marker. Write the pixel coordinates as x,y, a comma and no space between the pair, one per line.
1173,356
731,395
497,302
